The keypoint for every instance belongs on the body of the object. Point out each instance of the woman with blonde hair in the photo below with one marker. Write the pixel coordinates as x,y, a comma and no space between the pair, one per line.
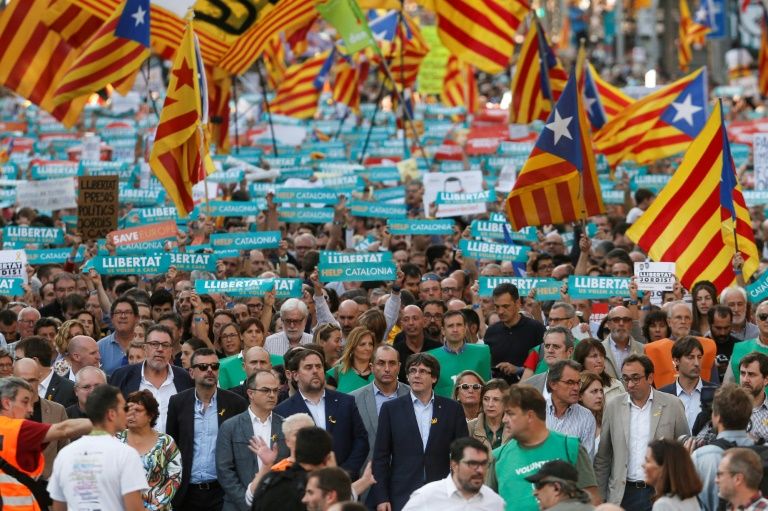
466,392
353,370
65,333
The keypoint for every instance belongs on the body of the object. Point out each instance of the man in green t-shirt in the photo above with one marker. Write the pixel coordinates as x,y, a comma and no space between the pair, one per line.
531,446
743,348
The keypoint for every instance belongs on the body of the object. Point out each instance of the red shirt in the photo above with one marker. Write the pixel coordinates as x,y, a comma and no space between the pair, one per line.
31,445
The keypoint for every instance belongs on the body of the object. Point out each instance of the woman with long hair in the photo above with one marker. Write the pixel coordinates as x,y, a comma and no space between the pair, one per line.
66,332
158,451
670,471
590,353
230,342
328,335
353,370
488,426
655,326
704,296
89,322
592,397
466,391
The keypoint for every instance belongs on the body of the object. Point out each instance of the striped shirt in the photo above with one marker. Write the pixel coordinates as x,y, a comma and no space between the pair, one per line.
277,344
577,421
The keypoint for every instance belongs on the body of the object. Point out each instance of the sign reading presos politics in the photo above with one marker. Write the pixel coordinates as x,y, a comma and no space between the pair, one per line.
366,266
127,265
97,206
284,288
40,235
247,240
494,251
546,289
588,288
655,276
426,227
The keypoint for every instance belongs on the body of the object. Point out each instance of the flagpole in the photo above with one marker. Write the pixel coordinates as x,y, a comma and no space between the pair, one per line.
400,19
237,127
735,220
373,121
263,86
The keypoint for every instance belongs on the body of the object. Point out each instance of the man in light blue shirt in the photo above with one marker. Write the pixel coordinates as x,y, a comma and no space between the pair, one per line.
114,347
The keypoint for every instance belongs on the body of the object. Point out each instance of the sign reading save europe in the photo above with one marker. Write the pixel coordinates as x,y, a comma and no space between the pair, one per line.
367,266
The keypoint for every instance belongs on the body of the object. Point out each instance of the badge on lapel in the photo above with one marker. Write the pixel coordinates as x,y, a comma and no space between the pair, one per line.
331,419
222,412
434,420
274,438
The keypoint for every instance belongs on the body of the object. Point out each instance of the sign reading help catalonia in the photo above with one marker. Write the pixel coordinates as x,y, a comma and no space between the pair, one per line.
430,227
546,289
367,266
247,240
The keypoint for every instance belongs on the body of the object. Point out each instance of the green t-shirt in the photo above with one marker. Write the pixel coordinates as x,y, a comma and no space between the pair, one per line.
741,350
347,381
475,357
517,463
232,373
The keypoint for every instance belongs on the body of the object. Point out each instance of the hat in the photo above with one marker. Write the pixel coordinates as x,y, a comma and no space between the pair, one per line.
555,469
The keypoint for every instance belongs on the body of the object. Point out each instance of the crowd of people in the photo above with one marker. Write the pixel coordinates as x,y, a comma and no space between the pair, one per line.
137,392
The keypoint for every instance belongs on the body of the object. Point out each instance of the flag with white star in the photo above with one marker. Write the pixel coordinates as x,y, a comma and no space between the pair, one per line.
112,56
558,182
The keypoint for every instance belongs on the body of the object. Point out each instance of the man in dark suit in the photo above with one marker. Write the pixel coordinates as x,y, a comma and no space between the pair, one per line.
194,418
695,393
155,374
52,386
333,411
415,433
385,387
236,465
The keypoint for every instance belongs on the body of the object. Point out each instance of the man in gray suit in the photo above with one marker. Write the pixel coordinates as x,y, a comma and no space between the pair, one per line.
385,387
235,463
556,345
629,423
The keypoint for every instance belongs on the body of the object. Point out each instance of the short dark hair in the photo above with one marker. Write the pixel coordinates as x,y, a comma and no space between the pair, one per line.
298,357
124,299
410,270
139,295
566,332
458,446
46,322
506,288
582,351
148,401
100,401
160,297
170,316
761,359
439,303
8,317
733,405
195,343
684,346
643,194
471,317
73,301
249,381
313,445
159,328
495,384
38,348
643,360
451,314
528,398
555,372
425,359
201,352
721,311
333,479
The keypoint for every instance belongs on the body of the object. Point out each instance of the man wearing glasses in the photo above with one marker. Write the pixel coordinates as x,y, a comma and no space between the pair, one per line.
235,465
114,347
155,374
758,344
564,413
629,424
619,344
195,417
294,314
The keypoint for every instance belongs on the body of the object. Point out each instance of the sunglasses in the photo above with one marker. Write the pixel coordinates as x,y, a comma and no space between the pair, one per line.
762,316
467,386
205,367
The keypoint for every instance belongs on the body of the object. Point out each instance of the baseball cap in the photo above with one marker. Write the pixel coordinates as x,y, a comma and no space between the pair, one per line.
554,470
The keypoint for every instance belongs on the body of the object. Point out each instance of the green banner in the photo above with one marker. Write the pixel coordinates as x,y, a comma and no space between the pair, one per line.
349,21
589,288
494,251
285,288
127,265
247,240
428,227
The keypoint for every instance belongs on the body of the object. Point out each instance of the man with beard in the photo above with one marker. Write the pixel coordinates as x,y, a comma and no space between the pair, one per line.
413,338
433,318
720,324
753,372
619,344
735,298
759,344
463,488
294,315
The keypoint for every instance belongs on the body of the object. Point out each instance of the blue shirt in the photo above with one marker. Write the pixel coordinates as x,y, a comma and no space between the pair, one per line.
423,417
204,451
707,458
112,355
382,398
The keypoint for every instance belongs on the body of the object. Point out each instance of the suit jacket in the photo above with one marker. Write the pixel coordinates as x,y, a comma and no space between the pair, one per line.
539,381
51,413
128,379
343,422
707,395
612,368
366,405
235,463
181,426
401,464
61,390
667,421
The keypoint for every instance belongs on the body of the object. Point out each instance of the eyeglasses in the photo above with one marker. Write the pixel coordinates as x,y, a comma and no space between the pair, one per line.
474,464
229,336
618,319
205,367
467,386
419,371
86,387
632,379
159,345
570,383
123,313
267,390
762,316
541,484
449,289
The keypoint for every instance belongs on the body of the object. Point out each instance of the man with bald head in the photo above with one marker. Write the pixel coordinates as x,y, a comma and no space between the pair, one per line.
553,244
450,289
83,352
680,319
87,379
347,316
255,359
412,338
619,344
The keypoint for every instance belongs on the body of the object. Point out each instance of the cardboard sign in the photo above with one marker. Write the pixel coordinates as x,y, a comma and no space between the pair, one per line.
97,206
284,288
13,264
369,266
136,235
655,276
51,194
590,288
546,289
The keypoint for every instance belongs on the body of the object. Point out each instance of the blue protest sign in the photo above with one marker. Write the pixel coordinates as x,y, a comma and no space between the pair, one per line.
366,266
546,289
589,288
495,230
305,215
306,195
430,227
453,198
126,265
758,290
284,288
54,255
11,286
494,251
377,210
39,235
247,240
186,261
229,208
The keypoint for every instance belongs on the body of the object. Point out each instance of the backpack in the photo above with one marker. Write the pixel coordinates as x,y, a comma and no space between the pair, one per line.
294,476
760,449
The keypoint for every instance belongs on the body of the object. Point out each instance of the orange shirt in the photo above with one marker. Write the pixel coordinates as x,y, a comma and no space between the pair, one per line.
660,353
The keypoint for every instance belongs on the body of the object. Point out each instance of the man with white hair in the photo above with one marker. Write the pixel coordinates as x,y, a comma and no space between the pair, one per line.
87,379
735,298
28,316
293,314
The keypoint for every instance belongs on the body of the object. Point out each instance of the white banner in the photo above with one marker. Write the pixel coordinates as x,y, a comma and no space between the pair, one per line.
49,194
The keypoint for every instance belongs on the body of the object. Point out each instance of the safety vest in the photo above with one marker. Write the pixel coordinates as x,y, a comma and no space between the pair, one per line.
16,496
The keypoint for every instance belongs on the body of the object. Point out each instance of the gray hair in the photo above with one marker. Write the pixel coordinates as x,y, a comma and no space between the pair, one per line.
733,289
26,310
569,341
292,304
567,307
82,373
297,421
672,305
9,387
555,372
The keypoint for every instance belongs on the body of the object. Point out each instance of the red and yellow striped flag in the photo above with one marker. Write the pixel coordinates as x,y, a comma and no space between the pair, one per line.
459,85
404,65
72,22
613,100
33,58
539,78
685,224
689,33
180,157
298,93
274,61
762,59
346,84
480,31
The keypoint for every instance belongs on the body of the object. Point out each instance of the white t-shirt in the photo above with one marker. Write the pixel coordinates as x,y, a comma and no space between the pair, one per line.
94,472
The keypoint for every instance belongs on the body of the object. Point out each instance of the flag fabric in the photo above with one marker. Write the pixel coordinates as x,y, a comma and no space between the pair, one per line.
274,61
113,55
539,78
72,22
349,21
459,85
762,59
558,182
219,94
33,58
659,125
480,31
346,84
612,100
745,5
689,33
298,94
406,53
180,157
693,219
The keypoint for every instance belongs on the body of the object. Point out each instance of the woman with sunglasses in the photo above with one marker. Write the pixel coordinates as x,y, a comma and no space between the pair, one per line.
670,471
467,393
353,370
158,451
487,427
